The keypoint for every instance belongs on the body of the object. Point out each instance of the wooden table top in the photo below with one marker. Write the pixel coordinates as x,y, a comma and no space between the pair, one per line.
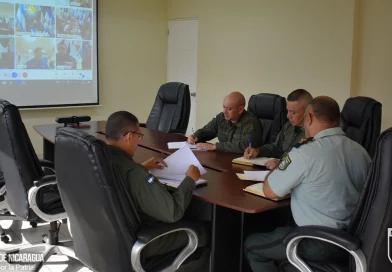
223,188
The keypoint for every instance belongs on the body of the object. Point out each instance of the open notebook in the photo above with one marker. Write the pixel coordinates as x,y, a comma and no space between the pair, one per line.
177,165
257,161
257,189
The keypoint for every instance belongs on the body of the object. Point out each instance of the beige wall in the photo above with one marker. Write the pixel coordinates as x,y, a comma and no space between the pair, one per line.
269,46
132,62
373,70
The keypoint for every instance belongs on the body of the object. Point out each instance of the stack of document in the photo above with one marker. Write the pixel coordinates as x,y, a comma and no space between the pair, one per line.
177,165
253,175
257,189
257,161
178,145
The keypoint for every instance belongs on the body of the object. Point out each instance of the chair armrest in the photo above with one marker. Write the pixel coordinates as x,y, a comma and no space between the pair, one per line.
334,236
338,237
148,235
45,180
32,197
46,164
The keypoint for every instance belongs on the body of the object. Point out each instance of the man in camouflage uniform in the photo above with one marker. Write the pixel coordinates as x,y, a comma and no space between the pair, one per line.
291,133
153,202
235,128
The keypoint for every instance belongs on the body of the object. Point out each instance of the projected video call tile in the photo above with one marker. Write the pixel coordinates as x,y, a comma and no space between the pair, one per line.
73,55
7,19
7,53
74,23
35,53
34,20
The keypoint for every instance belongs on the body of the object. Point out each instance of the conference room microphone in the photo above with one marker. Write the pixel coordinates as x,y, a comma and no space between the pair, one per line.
73,120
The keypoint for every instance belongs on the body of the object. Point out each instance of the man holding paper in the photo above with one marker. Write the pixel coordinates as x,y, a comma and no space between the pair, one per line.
152,200
325,175
291,133
235,128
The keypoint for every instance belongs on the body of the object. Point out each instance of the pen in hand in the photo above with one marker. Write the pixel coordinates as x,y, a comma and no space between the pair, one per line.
250,143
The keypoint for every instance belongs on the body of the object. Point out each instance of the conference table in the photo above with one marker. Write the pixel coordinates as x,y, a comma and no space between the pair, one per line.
222,201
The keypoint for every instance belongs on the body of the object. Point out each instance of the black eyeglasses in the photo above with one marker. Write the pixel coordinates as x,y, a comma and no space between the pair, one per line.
138,133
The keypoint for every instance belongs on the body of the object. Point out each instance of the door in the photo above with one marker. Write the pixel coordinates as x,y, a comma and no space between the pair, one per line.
182,59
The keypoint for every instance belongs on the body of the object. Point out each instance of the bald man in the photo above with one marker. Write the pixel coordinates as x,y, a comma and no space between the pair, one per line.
325,175
235,128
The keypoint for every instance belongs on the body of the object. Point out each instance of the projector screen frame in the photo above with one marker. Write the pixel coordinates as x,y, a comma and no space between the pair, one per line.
78,105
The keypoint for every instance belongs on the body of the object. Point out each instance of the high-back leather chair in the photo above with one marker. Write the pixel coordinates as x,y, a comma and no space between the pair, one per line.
368,238
361,121
171,109
272,113
104,223
30,195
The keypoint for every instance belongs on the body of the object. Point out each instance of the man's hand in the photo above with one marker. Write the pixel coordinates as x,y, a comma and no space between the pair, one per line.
272,164
192,139
251,153
153,163
205,146
193,172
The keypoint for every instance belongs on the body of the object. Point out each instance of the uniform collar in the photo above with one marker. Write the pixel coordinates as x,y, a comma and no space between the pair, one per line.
329,132
239,119
118,151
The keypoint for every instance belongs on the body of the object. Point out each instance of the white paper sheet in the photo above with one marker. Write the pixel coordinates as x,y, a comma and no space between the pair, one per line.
177,165
178,145
257,161
256,175
176,183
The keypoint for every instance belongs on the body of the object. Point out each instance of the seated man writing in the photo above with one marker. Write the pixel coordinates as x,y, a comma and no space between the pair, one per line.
235,128
152,200
325,174
291,133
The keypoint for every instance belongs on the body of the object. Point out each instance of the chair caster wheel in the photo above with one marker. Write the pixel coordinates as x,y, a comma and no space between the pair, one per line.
5,239
33,224
45,238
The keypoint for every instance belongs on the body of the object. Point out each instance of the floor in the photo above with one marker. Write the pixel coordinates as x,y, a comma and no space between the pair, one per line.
21,234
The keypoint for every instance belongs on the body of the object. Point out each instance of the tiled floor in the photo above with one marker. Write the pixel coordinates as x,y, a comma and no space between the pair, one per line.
21,234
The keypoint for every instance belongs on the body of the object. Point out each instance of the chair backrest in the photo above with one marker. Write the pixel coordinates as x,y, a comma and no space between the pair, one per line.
103,220
373,215
171,109
361,121
272,113
18,160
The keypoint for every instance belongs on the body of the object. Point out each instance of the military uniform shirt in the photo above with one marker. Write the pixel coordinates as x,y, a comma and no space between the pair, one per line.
151,198
287,137
232,137
325,176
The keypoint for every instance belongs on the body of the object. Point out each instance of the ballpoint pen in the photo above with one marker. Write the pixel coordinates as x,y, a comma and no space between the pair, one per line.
250,143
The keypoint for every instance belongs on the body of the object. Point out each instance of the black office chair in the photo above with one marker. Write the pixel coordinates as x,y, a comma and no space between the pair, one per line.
272,113
368,238
361,121
29,194
171,110
104,223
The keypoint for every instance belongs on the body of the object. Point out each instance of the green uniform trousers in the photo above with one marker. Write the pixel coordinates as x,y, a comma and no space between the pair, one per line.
174,243
265,251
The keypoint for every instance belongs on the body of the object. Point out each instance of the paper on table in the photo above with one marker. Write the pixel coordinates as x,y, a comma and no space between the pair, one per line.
178,145
256,175
256,161
177,164
176,183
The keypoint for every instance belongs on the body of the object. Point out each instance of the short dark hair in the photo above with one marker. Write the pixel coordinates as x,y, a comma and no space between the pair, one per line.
299,94
326,109
118,123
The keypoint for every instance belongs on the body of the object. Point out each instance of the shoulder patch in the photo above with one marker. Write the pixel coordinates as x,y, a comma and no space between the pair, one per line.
249,128
303,141
284,162
150,179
